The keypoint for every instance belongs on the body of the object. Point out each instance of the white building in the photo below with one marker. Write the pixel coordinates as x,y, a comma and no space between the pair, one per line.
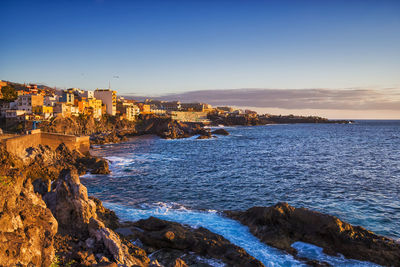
50,100
27,102
109,98
15,114
87,94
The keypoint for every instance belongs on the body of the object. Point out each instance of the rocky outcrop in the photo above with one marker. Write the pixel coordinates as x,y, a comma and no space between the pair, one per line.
255,119
44,164
113,244
282,225
83,238
69,202
107,216
161,234
27,227
220,132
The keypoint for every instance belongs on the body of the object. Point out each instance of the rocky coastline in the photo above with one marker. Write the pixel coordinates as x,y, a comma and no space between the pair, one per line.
109,129
48,219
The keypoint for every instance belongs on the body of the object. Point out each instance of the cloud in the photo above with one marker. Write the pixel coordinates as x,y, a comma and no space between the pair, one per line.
335,99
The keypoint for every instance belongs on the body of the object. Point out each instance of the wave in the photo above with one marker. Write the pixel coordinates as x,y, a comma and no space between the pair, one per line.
232,230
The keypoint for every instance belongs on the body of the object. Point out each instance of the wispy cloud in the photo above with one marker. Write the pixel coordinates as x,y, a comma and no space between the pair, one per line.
338,99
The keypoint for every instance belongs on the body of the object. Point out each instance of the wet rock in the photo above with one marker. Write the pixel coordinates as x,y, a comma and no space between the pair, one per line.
204,137
161,234
95,165
282,225
69,202
220,132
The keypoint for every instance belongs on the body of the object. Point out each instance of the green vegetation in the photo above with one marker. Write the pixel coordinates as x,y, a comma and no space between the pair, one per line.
9,93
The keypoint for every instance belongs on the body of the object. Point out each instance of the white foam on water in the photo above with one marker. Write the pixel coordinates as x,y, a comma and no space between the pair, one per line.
230,229
315,253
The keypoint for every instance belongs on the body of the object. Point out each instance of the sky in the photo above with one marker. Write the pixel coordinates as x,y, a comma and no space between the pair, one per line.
159,48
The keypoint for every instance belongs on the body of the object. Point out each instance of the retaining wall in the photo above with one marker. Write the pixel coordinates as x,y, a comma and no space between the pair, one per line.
18,145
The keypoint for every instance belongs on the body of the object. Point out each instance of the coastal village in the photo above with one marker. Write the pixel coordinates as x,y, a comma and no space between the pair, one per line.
26,107
30,104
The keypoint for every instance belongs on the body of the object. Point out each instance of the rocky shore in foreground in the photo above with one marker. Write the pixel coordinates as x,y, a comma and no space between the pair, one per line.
47,218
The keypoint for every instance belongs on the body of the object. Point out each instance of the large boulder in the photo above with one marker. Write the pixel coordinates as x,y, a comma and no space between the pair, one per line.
69,202
161,234
282,225
27,227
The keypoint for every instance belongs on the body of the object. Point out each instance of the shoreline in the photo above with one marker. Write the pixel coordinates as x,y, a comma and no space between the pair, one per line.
174,240
222,212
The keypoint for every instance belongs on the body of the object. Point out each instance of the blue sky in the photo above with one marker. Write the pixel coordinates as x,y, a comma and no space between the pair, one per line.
159,47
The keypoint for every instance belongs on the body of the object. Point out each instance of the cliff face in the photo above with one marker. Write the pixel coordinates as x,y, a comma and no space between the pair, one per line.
112,130
27,227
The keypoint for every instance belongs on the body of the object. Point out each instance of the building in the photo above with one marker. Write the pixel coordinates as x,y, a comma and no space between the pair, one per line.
45,111
62,109
128,111
67,97
109,99
201,107
171,106
144,108
95,107
226,109
50,100
27,102
14,114
87,94
189,116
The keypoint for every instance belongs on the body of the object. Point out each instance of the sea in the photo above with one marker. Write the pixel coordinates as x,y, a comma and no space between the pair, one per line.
351,171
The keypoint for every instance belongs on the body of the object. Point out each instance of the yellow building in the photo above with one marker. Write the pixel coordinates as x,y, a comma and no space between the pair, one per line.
45,111
94,106
42,109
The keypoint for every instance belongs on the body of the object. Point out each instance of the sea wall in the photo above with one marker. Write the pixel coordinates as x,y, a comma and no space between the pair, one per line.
18,145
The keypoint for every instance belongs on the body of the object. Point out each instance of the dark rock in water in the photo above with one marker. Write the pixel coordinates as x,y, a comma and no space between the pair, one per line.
204,137
95,165
161,234
282,225
220,132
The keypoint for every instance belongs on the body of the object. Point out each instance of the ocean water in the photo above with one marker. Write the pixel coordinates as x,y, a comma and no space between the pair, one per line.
351,171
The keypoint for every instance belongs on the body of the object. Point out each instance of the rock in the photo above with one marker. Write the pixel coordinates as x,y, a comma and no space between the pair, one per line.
107,216
204,137
43,163
95,165
161,234
111,241
69,203
282,225
41,186
220,132
27,227
179,263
